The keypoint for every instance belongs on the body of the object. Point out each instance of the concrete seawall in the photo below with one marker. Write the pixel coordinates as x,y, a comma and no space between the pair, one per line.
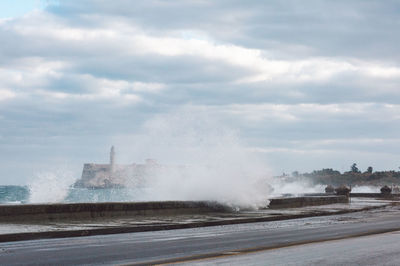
86,211
366,195
306,201
28,229
374,195
81,211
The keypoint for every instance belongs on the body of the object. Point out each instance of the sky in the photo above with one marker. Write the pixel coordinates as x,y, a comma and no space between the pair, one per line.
14,8
304,84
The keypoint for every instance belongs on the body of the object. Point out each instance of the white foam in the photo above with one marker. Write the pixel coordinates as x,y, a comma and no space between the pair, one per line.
216,164
50,186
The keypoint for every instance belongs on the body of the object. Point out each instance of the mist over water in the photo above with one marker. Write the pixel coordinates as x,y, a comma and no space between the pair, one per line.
281,187
200,158
204,159
50,186
366,189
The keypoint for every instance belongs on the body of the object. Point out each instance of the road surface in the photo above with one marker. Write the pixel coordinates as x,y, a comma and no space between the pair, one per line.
379,249
189,245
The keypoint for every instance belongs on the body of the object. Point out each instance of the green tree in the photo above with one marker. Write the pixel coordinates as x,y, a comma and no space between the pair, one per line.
370,169
354,168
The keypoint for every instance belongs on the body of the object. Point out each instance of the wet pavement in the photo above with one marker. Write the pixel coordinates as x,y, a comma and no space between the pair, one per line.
379,249
210,244
356,204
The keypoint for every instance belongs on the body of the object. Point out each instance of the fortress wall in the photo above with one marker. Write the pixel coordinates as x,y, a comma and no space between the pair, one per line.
306,201
114,175
80,211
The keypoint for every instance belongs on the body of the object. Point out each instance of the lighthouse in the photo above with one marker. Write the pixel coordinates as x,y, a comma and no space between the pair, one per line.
112,160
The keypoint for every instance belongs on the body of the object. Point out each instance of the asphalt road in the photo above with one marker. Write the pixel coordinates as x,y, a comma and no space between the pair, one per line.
380,249
186,245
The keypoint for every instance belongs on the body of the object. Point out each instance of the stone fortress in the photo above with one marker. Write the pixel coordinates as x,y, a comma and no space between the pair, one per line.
114,175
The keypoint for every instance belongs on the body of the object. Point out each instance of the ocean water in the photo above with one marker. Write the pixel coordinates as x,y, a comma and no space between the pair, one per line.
13,194
22,195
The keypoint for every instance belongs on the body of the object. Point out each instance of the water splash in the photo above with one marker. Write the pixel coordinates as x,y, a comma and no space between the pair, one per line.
201,159
366,189
51,186
208,159
294,187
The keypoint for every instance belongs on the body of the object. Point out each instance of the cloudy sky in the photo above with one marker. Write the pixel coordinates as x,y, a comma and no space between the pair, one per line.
306,84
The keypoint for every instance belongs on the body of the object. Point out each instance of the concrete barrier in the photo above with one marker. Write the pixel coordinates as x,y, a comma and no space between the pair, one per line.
366,195
297,202
158,227
80,211
83,211
374,195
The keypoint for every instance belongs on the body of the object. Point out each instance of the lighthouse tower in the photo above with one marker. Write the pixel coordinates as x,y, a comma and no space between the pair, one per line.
112,160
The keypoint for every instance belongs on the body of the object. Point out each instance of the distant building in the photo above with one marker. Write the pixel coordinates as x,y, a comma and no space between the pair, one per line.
115,175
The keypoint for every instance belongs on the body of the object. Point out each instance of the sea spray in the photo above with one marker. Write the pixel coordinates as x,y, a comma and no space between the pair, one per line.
294,187
204,160
199,158
366,189
104,195
50,186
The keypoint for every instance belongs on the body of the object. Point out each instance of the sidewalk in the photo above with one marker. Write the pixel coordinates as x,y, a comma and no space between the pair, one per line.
74,228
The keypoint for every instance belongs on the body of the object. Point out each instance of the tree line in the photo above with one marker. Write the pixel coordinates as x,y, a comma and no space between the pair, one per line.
329,176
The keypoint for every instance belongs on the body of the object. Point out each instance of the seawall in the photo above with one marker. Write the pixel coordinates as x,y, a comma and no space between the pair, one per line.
297,202
374,195
28,229
85,211
82,211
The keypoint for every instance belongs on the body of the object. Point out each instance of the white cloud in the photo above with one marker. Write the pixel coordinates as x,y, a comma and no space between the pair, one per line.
382,71
313,69
147,87
105,94
125,38
296,79
305,112
36,76
6,94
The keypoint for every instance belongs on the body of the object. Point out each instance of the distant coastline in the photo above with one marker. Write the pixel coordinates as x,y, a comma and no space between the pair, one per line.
329,176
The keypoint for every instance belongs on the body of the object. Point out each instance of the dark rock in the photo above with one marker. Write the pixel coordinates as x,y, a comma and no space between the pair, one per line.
343,190
385,190
329,189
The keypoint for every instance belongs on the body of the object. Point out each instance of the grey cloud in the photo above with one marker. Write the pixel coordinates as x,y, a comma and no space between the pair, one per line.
367,29
104,60
39,127
163,69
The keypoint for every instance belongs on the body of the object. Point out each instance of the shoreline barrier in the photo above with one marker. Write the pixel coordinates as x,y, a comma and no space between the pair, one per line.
86,211
374,195
366,195
297,202
158,227
82,211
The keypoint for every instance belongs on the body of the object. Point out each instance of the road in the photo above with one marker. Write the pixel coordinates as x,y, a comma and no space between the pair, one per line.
379,249
189,245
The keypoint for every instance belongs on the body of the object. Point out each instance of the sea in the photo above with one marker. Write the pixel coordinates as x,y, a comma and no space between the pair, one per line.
24,195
